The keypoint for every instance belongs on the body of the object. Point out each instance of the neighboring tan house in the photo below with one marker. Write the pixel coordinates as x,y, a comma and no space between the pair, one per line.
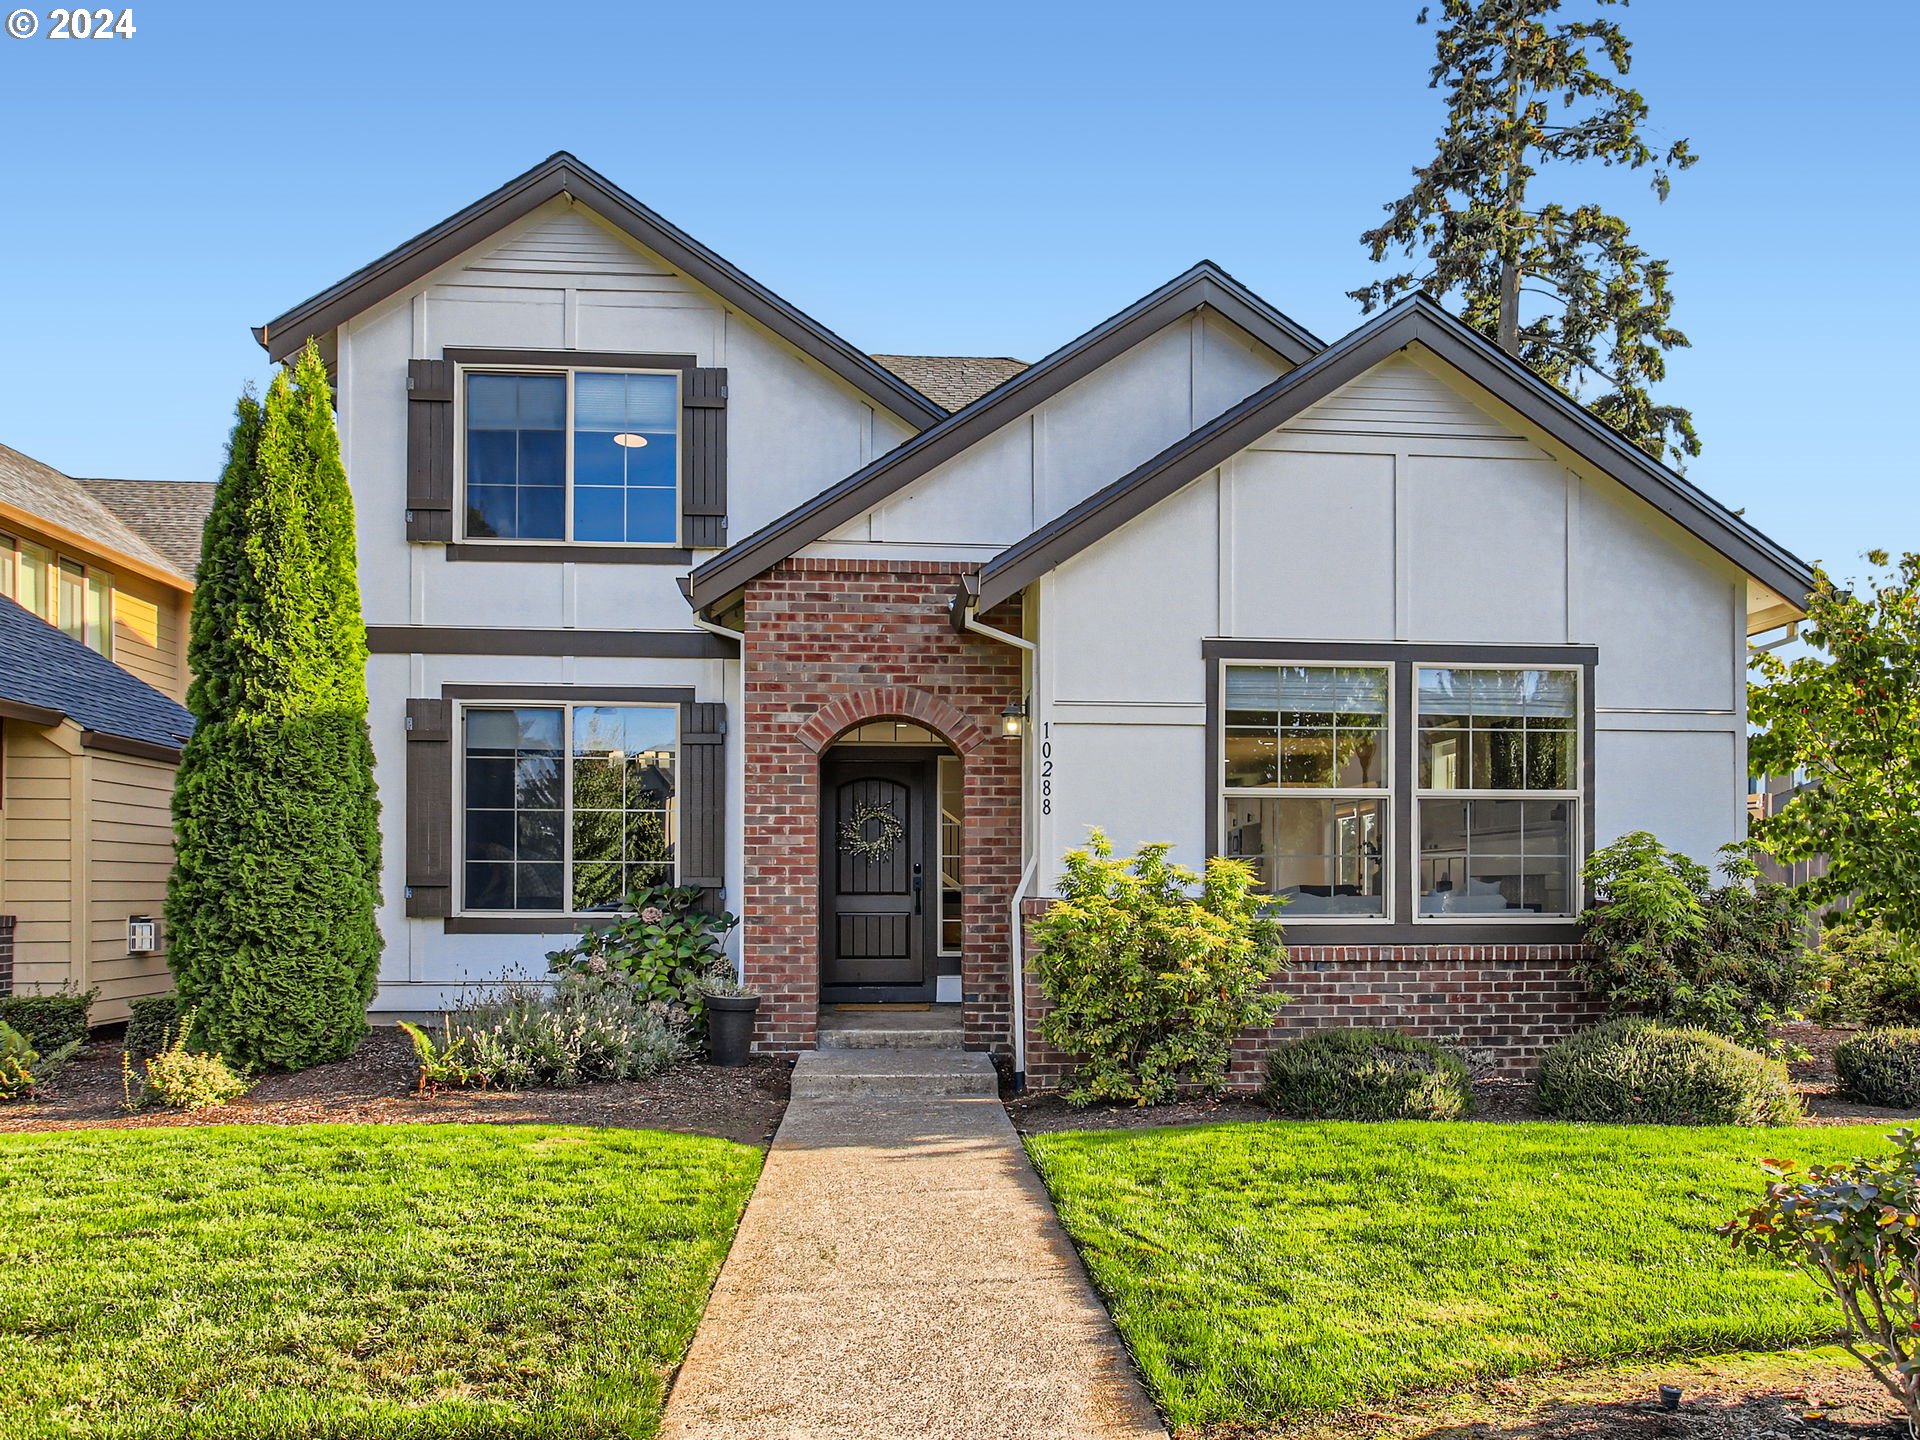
95,589
663,579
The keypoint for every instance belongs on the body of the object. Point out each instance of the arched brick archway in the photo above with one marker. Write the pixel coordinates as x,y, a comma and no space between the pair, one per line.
894,655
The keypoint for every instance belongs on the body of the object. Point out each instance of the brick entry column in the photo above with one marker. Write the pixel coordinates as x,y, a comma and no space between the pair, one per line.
831,644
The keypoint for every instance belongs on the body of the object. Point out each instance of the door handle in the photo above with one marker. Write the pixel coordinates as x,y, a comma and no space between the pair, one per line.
919,884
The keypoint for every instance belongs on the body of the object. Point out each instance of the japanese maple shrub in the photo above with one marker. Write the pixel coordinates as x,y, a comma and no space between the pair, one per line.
1664,941
1856,1229
1152,970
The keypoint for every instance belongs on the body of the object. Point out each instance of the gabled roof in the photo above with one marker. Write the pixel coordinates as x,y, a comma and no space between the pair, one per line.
1206,284
36,492
561,174
1414,321
956,381
46,677
169,515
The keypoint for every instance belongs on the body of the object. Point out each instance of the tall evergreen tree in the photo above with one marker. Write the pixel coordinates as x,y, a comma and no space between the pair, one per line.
271,904
1525,92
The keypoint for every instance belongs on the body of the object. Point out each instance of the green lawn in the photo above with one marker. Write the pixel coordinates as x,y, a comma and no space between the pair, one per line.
1263,1271
349,1281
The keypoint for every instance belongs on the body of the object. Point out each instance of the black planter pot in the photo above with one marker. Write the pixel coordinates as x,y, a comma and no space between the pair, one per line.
730,1028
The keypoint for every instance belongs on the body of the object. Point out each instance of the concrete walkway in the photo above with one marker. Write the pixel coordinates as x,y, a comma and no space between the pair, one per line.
900,1273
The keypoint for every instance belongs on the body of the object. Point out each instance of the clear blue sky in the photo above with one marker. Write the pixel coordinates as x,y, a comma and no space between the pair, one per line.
984,178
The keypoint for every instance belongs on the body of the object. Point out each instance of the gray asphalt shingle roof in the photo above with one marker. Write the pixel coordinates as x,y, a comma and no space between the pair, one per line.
169,514
39,489
43,668
955,381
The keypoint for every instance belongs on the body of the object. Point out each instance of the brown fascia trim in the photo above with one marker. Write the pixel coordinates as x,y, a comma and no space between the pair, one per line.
27,714
1416,321
614,644
124,745
568,554
1206,285
84,547
630,694
569,359
563,175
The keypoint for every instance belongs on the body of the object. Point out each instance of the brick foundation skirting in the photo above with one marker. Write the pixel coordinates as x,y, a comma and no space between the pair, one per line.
1500,1005
7,923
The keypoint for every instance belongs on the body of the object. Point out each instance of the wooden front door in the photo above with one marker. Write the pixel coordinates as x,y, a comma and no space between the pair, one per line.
879,890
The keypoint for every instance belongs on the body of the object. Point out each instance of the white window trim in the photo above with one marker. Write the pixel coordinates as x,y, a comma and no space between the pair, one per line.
1222,792
1576,798
563,919
568,371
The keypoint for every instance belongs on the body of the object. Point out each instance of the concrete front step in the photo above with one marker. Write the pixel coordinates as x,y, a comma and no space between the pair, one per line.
892,1030
892,1074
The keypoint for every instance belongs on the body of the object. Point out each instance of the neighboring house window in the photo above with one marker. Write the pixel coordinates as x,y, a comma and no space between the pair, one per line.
583,455
1499,791
63,592
566,808
1384,784
1307,762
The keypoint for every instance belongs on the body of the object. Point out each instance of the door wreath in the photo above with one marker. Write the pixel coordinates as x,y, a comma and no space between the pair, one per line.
855,840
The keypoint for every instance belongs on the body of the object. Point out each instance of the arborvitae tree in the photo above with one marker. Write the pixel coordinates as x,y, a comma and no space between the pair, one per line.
1564,290
271,905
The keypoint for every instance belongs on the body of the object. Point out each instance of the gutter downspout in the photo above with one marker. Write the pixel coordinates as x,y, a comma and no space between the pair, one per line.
963,611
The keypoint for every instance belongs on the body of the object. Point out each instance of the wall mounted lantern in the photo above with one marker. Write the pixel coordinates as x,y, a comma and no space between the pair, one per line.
1013,719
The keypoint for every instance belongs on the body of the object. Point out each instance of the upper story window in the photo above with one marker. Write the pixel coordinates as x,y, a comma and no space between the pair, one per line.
573,455
64,592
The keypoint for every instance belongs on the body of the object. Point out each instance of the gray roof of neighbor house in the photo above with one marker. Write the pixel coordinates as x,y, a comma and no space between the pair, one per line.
956,381
169,514
46,494
561,174
46,676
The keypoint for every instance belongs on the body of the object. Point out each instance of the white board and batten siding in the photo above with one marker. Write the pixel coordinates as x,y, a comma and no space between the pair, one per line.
560,279
1397,509
86,841
1009,483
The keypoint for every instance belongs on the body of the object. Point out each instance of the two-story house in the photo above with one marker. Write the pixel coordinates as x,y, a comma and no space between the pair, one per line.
665,579
96,580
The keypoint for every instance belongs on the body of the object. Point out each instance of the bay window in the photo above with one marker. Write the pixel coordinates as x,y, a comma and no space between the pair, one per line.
566,808
1403,786
577,455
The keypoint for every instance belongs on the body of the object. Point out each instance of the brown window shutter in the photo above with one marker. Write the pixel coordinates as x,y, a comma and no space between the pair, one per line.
703,460
429,807
702,768
430,450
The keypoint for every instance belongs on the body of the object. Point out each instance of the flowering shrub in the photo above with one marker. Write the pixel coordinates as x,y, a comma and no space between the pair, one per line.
1150,983
587,1027
666,944
1856,1229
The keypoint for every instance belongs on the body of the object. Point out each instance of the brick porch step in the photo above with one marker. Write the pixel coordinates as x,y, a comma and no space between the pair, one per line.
893,1074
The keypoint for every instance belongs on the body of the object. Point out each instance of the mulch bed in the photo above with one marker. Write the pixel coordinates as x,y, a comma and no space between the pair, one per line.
375,1086
1493,1099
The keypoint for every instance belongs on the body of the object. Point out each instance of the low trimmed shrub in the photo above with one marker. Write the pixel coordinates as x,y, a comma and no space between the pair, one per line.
1639,1070
154,1025
48,1022
1881,1067
1364,1074
583,1028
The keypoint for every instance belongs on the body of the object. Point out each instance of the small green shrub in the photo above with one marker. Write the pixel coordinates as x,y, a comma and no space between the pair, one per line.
1868,976
1364,1074
1881,1067
664,941
1664,941
1640,1070
1150,983
48,1022
185,1079
1854,1228
584,1028
153,1027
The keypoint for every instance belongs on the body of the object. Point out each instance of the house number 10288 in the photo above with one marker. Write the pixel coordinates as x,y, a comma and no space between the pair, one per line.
1046,769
